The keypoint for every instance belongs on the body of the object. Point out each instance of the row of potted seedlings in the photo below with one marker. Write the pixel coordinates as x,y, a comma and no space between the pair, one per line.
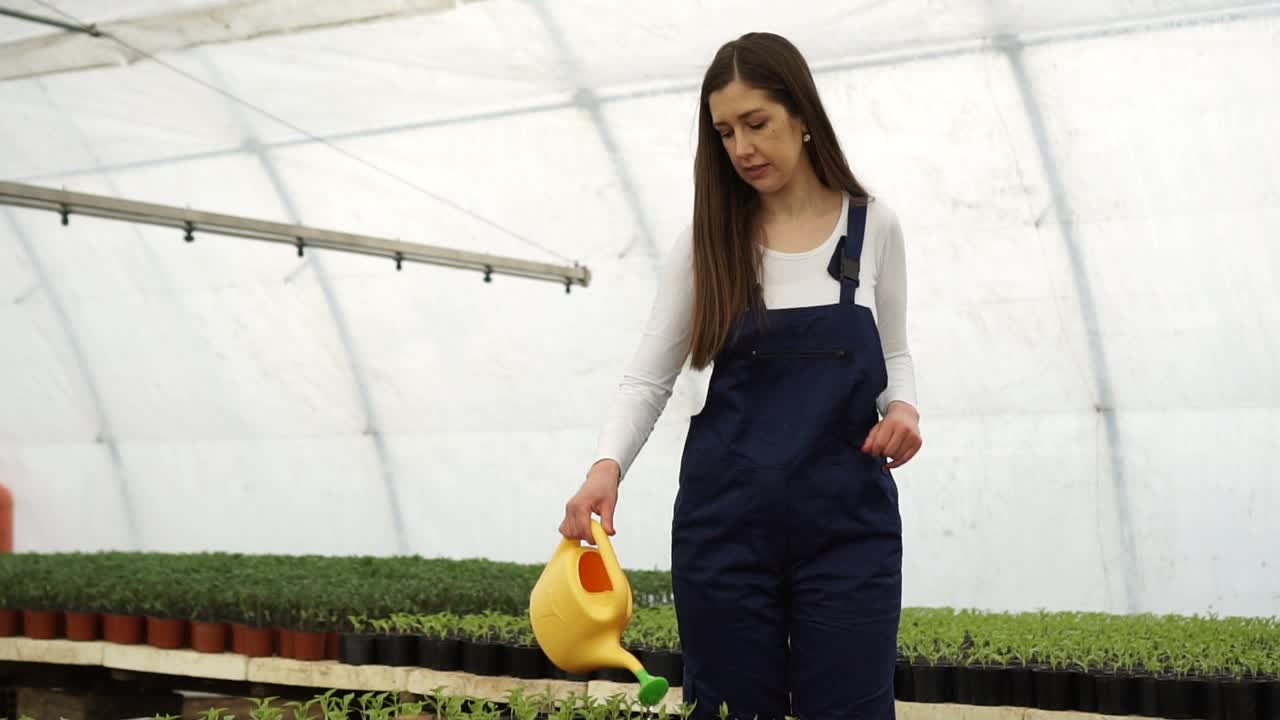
1077,687
968,658
169,633
305,608
1147,665
493,643
488,643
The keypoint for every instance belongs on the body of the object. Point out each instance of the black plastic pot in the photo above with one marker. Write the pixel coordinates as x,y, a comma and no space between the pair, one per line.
1211,706
439,653
966,684
902,682
1269,698
979,685
933,683
527,662
1085,694
1240,698
356,649
1177,698
984,685
664,663
1148,700
481,658
1117,693
1022,688
1054,689
396,649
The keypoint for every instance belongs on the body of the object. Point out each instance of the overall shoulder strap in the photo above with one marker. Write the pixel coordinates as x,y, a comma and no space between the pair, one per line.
845,260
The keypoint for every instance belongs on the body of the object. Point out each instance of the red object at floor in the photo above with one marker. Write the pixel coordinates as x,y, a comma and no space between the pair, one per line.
6,520
9,622
41,624
308,645
208,637
252,641
82,626
123,629
165,633
284,642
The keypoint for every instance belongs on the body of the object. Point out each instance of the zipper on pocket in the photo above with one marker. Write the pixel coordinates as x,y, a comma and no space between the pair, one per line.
798,353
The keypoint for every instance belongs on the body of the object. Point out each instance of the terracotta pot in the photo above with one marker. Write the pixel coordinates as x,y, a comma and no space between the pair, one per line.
331,646
9,623
165,633
123,629
284,642
308,646
83,626
252,641
41,624
208,637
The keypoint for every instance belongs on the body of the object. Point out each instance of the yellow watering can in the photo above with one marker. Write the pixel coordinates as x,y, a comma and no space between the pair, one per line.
579,608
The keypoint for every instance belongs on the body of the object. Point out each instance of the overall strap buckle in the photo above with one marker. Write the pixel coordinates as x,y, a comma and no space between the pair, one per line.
846,261
849,268
844,266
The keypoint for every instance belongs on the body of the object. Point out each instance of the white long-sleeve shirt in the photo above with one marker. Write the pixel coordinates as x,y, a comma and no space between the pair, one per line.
789,280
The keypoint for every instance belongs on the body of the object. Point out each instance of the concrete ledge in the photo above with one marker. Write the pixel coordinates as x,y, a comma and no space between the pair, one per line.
189,663
327,674
58,652
9,649
944,711
423,681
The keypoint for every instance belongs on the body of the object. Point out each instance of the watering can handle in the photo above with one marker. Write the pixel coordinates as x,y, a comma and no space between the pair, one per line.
616,578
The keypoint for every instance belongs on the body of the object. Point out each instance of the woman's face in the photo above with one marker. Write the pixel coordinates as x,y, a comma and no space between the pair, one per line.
762,139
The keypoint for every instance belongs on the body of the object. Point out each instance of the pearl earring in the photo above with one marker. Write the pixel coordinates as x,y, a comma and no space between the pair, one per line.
806,137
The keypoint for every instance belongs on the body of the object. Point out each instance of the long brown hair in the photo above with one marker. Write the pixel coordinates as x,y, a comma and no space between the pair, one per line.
726,261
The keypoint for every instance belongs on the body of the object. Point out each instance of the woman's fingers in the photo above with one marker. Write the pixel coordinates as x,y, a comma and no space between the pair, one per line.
909,450
893,438
882,440
897,436
869,443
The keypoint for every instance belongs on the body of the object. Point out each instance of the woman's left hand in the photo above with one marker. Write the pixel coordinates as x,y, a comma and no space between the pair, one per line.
897,436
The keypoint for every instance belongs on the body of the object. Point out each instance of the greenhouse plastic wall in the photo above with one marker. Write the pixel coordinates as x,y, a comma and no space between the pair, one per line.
1089,202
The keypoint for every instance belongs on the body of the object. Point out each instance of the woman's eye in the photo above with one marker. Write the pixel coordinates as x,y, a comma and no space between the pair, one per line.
754,126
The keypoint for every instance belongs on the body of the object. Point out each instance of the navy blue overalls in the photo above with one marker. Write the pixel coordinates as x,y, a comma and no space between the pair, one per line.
786,537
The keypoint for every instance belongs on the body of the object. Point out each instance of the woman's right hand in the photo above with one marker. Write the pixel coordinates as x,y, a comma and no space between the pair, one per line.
599,495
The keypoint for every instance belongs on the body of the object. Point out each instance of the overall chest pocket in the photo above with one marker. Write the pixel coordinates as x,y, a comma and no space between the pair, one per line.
798,353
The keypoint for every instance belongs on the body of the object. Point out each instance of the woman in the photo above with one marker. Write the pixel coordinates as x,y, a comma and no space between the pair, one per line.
786,538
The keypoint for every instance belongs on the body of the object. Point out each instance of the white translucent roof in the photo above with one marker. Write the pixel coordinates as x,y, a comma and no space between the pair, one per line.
1089,201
